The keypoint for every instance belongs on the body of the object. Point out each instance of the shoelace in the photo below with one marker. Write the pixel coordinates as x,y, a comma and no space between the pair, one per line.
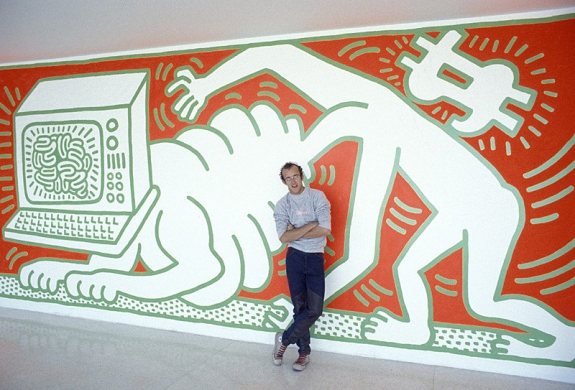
281,351
300,359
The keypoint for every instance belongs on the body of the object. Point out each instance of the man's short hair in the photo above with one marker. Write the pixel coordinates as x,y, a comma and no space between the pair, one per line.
289,165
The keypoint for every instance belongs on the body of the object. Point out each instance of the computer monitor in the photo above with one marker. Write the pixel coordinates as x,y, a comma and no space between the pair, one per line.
82,162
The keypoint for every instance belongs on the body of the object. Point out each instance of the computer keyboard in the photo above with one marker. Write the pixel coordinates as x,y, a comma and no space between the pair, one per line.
70,225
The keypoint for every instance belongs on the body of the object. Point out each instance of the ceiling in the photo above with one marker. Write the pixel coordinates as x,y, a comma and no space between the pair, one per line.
32,30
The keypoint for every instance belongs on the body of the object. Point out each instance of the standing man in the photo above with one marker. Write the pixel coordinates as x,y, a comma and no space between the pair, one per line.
303,221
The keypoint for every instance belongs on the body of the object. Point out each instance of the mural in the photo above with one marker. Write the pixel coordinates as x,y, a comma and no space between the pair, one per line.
146,184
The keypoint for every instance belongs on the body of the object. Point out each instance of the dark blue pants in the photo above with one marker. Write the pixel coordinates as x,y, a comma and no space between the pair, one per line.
306,282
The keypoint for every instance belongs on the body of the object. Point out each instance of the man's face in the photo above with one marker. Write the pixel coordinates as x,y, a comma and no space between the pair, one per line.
293,180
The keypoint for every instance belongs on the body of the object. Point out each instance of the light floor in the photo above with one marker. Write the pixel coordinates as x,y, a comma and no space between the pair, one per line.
40,351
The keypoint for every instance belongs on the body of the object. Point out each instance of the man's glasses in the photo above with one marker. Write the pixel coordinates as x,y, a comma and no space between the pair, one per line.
294,177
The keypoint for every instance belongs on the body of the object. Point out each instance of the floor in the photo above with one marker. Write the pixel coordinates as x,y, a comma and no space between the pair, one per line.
41,351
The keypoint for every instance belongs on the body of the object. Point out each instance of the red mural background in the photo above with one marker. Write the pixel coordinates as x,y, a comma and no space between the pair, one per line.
543,54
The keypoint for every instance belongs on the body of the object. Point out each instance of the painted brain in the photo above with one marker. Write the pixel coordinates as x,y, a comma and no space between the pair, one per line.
61,164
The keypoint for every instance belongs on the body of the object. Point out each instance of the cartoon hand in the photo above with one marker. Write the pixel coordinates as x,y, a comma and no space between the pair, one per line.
192,100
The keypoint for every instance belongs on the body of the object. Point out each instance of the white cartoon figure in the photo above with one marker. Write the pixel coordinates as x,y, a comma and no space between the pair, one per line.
198,242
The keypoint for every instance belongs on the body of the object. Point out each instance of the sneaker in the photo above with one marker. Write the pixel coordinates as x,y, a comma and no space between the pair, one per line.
279,349
301,362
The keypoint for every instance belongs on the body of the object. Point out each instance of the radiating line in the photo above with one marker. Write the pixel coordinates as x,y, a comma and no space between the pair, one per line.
552,199
547,107
331,175
164,116
444,291
11,252
552,179
495,46
233,95
370,293
472,43
539,71
5,109
534,58
158,70
508,148
379,288
350,46
165,74
409,209
524,142
550,275
547,259
157,119
360,52
401,217
197,61
552,94
268,84
540,119
546,219
510,44
360,298
18,256
451,282
269,94
7,199
558,156
298,107
521,50
9,96
323,175
392,225
559,287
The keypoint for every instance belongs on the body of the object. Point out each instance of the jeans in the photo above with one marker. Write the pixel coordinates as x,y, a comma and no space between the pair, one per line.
306,282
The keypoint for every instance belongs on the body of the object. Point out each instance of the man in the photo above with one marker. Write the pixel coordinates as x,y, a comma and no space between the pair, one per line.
303,221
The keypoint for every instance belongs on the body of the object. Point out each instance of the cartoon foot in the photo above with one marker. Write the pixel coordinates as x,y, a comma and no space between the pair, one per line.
381,326
44,274
98,286
560,349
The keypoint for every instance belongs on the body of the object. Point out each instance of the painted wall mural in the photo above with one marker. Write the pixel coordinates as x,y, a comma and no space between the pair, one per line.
146,183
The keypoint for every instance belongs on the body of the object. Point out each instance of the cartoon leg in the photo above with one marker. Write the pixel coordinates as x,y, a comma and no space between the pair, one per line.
414,327
176,233
487,251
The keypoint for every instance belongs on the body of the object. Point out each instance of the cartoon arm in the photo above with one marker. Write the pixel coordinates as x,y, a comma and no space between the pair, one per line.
325,83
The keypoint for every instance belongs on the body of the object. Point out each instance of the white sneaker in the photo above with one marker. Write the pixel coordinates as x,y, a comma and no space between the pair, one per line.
301,363
279,349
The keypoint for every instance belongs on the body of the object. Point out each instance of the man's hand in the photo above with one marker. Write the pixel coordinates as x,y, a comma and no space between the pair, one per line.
295,234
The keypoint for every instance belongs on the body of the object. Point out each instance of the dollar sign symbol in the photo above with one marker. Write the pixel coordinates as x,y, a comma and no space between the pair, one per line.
481,89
